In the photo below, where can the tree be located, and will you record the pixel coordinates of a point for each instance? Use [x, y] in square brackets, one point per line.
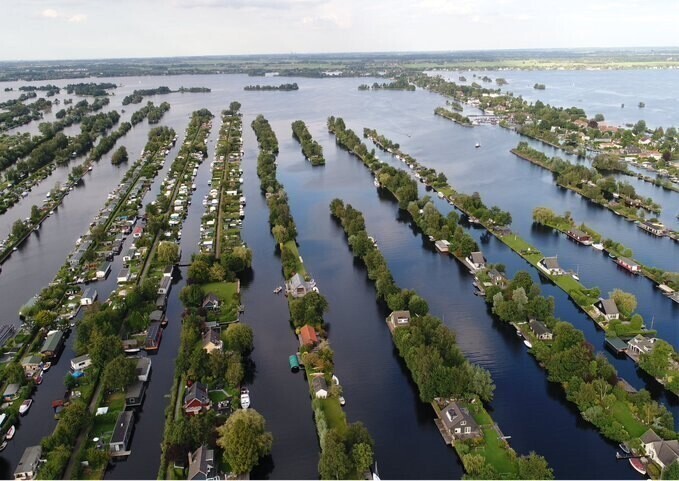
[119, 373]
[626, 302]
[534, 467]
[35, 214]
[362, 455]
[14, 373]
[239, 338]
[19, 229]
[192, 296]
[119, 156]
[199, 272]
[599, 117]
[334, 462]
[217, 273]
[418, 306]
[671, 471]
[168, 252]
[44, 318]
[244, 440]
[104, 349]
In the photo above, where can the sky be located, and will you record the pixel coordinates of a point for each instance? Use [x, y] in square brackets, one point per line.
[82, 29]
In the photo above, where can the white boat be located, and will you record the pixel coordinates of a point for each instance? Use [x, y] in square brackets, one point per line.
[244, 398]
[335, 380]
[527, 343]
[3, 445]
[25, 406]
[376, 183]
[598, 246]
[46, 367]
[10, 432]
[477, 145]
[342, 401]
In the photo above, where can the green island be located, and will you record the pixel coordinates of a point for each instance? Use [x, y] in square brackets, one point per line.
[19, 113]
[311, 149]
[615, 411]
[138, 95]
[270, 88]
[150, 112]
[454, 116]
[401, 83]
[444, 377]
[90, 88]
[538, 86]
[346, 448]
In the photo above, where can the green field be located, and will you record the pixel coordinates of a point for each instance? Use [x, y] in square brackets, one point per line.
[299, 268]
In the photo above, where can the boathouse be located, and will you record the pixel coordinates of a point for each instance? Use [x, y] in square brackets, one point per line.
[579, 236]
[89, 296]
[651, 228]
[165, 284]
[134, 394]
[123, 276]
[442, 246]
[81, 362]
[628, 264]
[201, 464]
[31, 364]
[608, 309]
[143, 369]
[120, 440]
[398, 319]
[103, 270]
[53, 344]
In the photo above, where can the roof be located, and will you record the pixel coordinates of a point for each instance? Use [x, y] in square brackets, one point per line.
[649, 437]
[143, 365]
[478, 258]
[135, 390]
[628, 261]
[29, 460]
[196, 391]
[551, 263]
[308, 335]
[52, 341]
[318, 383]
[609, 307]
[213, 336]
[667, 451]
[394, 316]
[578, 233]
[453, 415]
[11, 389]
[538, 327]
[156, 316]
[200, 463]
[123, 425]
[31, 359]
[210, 299]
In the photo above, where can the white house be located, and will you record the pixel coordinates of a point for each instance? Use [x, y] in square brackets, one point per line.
[124, 276]
[89, 296]
[550, 265]
[81, 362]
[320, 387]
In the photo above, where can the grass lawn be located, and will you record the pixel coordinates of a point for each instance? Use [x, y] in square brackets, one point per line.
[299, 267]
[333, 413]
[624, 416]
[493, 449]
[218, 395]
[226, 291]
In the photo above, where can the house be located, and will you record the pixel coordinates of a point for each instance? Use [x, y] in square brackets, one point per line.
[53, 344]
[608, 309]
[297, 287]
[442, 245]
[212, 341]
[211, 302]
[120, 440]
[11, 392]
[154, 334]
[655, 229]
[143, 369]
[398, 319]
[168, 271]
[579, 236]
[129, 255]
[165, 284]
[196, 399]
[134, 394]
[89, 296]
[640, 345]
[540, 330]
[31, 364]
[550, 266]
[628, 264]
[81, 362]
[497, 278]
[28, 464]
[476, 261]
[458, 422]
[201, 464]
[320, 387]
[661, 451]
[307, 336]
[123, 276]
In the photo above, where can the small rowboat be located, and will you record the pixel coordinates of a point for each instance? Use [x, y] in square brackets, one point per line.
[10, 432]
[25, 406]
[638, 465]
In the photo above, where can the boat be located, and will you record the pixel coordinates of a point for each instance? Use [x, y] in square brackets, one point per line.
[10, 432]
[637, 465]
[335, 380]
[623, 447]
[477, 145]
[244, 398]
[38, 379]
[519, 333]
[527, 343]
[612, 256]
[277, 290]
[3, 445]
[46, 367]
[376, 182]
[342, 401]
[25, 406]
[598, 246]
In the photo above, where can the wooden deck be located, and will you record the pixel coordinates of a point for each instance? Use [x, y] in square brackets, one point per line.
[446, 437]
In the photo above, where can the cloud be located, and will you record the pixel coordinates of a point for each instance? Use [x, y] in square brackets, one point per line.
[53, 14]
[241, 4]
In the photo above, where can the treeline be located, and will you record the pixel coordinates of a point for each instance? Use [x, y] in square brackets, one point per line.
[120, 156]
[454, 116]
[311, 149]
[20, 99]
[150, 111]
[283, 87]
[107, 142]
[589, 182]
[49, 89]
[588, 379]
[193, 90]
[400, 83]
[21, 114]
[138, 95]
[91, 88]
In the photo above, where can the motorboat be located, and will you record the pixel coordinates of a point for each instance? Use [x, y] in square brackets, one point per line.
[38, 379]
[599, 246]
[623, 447]
[10, 432]
[477, 145]
[376, 182]
[244, 398]
[335, 380]
[46, 367]
[527, 343]
[342, 401]
[25, 406]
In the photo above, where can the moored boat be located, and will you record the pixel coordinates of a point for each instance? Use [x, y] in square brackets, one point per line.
[10, 432]
[46, 367]
[527, 343]
[244, 398]
[3, 445]
[637, 465]
[25, 406]
[623, 447]
[342, 401]
[598, 246]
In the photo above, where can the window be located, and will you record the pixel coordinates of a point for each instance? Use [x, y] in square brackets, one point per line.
[468, 430]
[457, 431]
